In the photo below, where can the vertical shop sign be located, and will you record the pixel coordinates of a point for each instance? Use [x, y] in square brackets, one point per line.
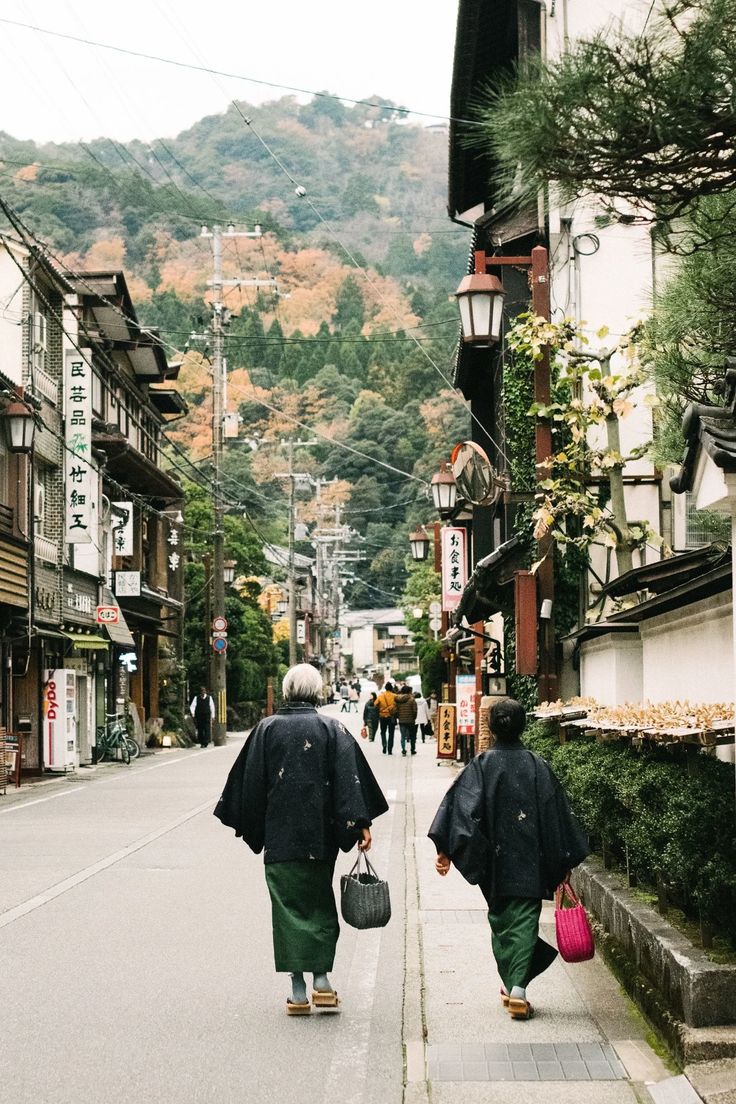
[454, 566]
[174, 542]
[122, 528]
[446, 731]
[79, 475]
[465, 699]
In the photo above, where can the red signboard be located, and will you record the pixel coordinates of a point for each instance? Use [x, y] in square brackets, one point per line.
[107, 615]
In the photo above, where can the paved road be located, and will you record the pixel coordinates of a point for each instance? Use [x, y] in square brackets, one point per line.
[135, 951]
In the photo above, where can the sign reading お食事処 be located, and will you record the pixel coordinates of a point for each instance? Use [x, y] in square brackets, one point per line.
[79, 474]
[446, 731]
[454, 566]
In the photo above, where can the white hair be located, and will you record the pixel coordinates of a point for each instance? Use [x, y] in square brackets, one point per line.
[302, 683]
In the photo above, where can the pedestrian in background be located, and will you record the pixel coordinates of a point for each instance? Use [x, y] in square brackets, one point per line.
[423, 723]
[352, 698]
[300, 791]
[370, 716]
[202, 709]
[432, 709]
[386, 705]
[344, 698]
[406, 712]
[506, 824]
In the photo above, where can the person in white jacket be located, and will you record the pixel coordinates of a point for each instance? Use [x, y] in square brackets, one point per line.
[203, 712]
[422, 717]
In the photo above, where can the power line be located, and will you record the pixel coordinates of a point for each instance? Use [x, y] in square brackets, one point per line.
[232, 76]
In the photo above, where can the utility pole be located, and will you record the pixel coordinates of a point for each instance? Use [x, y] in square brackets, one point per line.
[290, 568]
[218, 284]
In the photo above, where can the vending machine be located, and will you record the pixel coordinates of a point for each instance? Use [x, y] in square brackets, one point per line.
[60, 720]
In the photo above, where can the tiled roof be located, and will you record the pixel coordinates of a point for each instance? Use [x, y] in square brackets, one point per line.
[712, 428]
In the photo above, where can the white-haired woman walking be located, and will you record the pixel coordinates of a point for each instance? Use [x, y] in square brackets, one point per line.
[301, 790]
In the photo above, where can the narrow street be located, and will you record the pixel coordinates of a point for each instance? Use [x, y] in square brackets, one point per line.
[137, 965]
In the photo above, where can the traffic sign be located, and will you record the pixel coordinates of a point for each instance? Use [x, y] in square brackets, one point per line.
[435, 624]
[107, 615]
[219, 624]
[219, 634]
[435, 608]
[220, 645]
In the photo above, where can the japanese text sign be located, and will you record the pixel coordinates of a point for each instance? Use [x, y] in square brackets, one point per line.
[465, 699]
[122, 528]
[79, 484]
[454, 566]
[446, 731]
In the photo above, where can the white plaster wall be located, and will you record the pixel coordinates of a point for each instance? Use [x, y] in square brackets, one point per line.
[11, 317]
[690, 654]
[611, 669]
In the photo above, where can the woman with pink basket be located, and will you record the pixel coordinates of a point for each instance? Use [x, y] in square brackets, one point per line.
[507, 826]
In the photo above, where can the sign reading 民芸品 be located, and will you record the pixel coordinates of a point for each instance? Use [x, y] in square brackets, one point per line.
[454, 566]
[80, 477]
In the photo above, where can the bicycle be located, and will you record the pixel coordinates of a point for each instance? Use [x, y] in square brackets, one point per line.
[113, 737]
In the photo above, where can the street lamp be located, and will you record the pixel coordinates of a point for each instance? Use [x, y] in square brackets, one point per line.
[419, 541]
[444, 491]
[228, 571]
[20, 427]
[480, 299]
[282, 606]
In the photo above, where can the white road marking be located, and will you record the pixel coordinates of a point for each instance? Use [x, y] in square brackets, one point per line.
[346, 1078]
[89, 872]
[98, 782]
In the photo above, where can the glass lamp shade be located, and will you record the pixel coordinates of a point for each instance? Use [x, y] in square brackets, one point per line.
[419, 544]
[444, 492]
[228, 571]
[282, 606]
[480, 298]
[19, 427]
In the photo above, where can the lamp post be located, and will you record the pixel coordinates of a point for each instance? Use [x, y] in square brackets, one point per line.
[228, 572]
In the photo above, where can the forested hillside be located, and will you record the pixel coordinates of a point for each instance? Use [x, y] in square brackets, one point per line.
[350, 346]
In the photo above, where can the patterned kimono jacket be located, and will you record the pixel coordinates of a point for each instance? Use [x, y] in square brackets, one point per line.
[507, 825]
[300, 788]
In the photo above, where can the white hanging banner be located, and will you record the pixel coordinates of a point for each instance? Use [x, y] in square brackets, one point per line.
[122, 528]
[454, 566]
[79, 474]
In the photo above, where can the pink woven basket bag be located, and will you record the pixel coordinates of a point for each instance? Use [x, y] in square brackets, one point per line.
[574, 937]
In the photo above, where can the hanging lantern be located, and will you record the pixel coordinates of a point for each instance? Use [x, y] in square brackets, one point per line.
[228, 571]
[480, 298]
[444, 491]
[419, 541]
[20, 427]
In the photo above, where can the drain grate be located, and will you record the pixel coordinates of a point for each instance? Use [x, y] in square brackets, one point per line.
[523, 1062]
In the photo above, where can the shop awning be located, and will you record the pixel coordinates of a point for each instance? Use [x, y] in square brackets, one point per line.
[87, 642]
[482, 595]
[119, 633]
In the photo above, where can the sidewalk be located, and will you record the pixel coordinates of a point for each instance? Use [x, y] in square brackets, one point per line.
[461, 1045]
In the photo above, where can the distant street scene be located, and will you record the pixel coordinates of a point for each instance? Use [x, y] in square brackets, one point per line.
[367, 499]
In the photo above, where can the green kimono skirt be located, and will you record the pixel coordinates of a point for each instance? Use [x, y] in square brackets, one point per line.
[519, 952]
[303, 915]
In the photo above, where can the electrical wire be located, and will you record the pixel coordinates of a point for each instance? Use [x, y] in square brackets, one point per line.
[231, 76]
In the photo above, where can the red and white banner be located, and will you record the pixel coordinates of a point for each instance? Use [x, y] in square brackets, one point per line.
[454, 566]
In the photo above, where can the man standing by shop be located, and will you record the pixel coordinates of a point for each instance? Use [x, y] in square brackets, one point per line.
[203, 712]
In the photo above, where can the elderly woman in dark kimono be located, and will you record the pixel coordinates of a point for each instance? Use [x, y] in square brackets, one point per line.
[507, 825]
[300, 790]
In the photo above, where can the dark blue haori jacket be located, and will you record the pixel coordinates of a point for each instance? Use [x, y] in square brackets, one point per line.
[507, 825]
[300, 788]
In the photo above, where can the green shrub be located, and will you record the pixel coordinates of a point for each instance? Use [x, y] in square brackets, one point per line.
[675, 823]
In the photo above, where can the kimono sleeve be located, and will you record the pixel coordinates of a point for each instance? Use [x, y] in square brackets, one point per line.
[564, 843]
[457, 827]
[242, 805]
[357, 798]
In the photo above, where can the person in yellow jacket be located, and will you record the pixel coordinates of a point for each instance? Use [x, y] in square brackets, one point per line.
[386, 705]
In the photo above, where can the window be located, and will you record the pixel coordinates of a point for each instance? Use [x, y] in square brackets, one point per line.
[97, 397]
[39, 342]
[692, 528]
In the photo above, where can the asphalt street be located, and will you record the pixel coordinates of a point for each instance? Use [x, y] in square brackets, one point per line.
[135, 950]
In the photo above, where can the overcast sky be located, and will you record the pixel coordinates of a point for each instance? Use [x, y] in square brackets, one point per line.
[57, 90]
